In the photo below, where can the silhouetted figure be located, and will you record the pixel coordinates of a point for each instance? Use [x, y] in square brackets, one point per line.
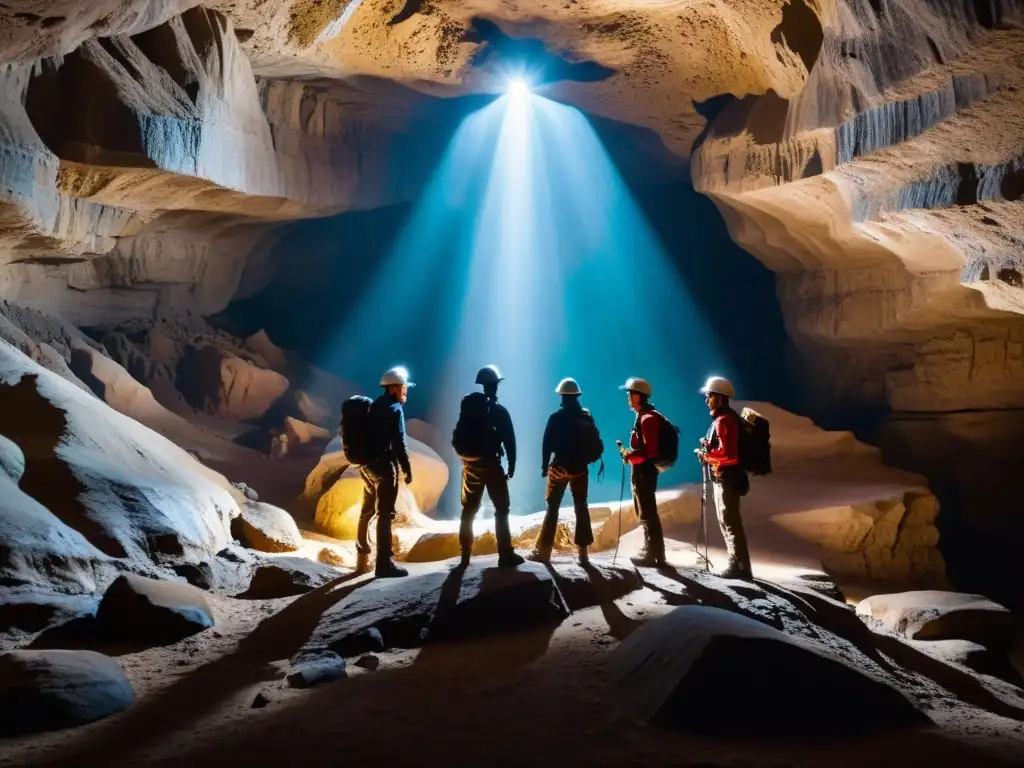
[482, 436]
[729, 481]
[642, 457]
[571, 443]
[386, 424]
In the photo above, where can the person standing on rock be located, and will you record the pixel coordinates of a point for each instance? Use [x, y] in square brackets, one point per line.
[642, 455]
[380, 476]
[482, 436]
[720, 453]
[571, 442]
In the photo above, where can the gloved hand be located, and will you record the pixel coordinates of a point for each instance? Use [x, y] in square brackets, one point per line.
[511, 472]
[543, 471]
[408, 478]
[622, 449]
[699, 453]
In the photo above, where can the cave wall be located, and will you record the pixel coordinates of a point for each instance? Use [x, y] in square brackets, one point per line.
[886, 196]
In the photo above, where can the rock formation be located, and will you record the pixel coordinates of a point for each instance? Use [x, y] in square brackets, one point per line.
[868, 153]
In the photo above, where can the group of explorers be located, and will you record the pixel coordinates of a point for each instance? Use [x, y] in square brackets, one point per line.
[373, 438]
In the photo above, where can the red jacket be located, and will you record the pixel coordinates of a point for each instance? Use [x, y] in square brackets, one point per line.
[646, 449]
[723, 441]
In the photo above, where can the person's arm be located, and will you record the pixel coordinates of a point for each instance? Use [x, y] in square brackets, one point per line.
[510, 444]
[727, 450]
[547, 447]
[398, 442]
[650, 428]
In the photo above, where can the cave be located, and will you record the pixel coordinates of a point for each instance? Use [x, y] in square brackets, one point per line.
[223, 225]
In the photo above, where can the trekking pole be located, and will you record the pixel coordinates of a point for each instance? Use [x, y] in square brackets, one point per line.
[704, 518]
[622, 496]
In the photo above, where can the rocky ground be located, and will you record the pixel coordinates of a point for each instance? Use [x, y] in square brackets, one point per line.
[466, 664]
[192, 599]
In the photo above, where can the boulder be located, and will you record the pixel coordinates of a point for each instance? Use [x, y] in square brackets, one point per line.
[33, 609]
[41, 554]
[266, 528]
[303, 436]
[492, 600]
[711, 671]
[400, 610]
[337, 512]
[564, 534]
[46, 690]
[316, 669]
[314, 410]
[218, 382]
[12, 460]
[137, 609]
[333, 487]
[975, 657]
[259, 343]
[431, 547]
[129, 492]
[936, 615]
[287, 576]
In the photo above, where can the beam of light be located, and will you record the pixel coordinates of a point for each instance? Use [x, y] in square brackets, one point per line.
[527, 250]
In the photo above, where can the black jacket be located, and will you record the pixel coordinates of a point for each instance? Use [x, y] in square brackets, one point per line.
[387, 422]
[506, 433]
[560, 436]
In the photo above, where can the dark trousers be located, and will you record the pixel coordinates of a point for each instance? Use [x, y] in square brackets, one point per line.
[380, 492]
[578, 483]
[479, 475]
[644, 484]
[727, 505]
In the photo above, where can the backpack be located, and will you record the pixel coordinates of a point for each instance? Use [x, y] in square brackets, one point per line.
[588, 445]
[668, 444]
[356, 441]
[474, 435]
[755, 442]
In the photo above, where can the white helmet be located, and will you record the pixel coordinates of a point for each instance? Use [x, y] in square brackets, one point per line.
[719, 386]
[634, 384]
[489, 374]
[396, 375]
[568, 387]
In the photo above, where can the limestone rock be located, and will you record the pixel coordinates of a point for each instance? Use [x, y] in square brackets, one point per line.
[399, 609]
[314, 410]
[12, 460]
[46, 690]
[123, 488]
[975, 657]
[32, 609]
[267, 528]
[685, 669]
[316, 669]
[135, 608]
[431, 547]
[335, 490]
[491, 600]
[220, 383]
[935, 615]
[287, 576]
[302, 434]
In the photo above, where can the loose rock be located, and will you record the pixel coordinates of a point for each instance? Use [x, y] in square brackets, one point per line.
[46, 690]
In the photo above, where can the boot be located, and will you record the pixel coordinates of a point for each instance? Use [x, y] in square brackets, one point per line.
[388, 570]
[653, 553]
[507, 557]
[540, 554]
[584, 557]
[362, 562]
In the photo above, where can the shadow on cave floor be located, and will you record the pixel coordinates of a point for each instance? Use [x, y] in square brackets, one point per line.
[199, 693]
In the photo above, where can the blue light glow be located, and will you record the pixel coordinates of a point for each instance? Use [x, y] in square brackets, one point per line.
[527, 250]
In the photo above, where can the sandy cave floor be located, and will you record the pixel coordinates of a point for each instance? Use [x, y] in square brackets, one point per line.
[535, 698]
